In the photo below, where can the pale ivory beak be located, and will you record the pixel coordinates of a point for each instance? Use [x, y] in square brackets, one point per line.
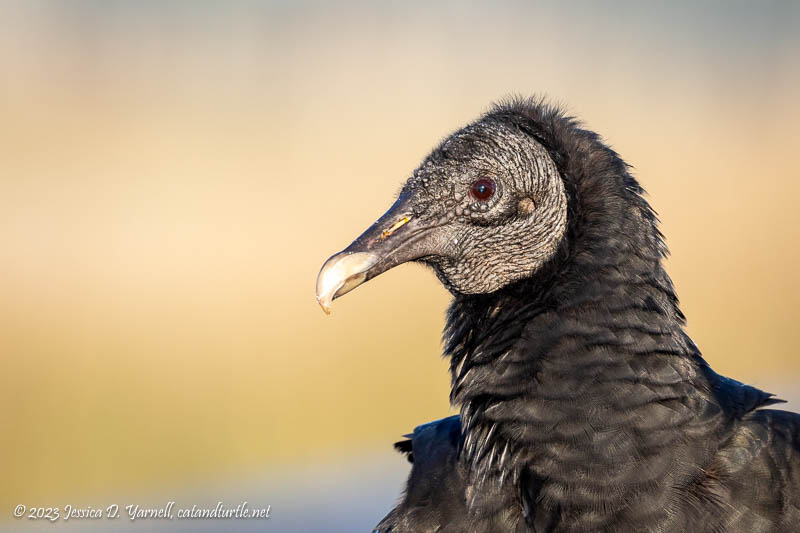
[341, 274]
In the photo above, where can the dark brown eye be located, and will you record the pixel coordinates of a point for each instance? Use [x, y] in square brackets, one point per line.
[483, 189]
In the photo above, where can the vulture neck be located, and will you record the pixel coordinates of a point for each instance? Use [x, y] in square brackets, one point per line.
[576, 383]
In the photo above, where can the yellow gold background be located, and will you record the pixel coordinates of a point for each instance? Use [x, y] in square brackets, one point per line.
[173, 175]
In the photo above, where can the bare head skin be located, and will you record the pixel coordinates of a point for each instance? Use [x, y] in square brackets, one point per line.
[484, 209]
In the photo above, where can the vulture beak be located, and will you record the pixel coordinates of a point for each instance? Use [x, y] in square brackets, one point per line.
[396, 238]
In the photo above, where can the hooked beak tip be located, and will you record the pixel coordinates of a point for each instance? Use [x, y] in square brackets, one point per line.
[325, 304]
[340, 274]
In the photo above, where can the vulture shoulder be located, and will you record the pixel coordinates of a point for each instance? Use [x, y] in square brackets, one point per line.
[756, 471]
[434, 494]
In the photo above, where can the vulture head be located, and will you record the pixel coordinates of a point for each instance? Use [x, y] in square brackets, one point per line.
[486, 208]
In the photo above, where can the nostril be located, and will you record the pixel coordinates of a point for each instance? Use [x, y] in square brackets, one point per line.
[397, 225]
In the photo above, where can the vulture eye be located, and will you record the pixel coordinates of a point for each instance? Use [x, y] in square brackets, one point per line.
[483, 189]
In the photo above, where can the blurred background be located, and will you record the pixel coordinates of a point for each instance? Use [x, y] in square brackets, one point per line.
[173, 175]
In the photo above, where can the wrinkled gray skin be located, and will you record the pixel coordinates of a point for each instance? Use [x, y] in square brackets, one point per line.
[484, 245]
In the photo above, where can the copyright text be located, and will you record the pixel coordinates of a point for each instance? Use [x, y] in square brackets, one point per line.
[134, 512]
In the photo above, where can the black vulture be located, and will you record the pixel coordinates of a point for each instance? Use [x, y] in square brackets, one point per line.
[584, 406]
